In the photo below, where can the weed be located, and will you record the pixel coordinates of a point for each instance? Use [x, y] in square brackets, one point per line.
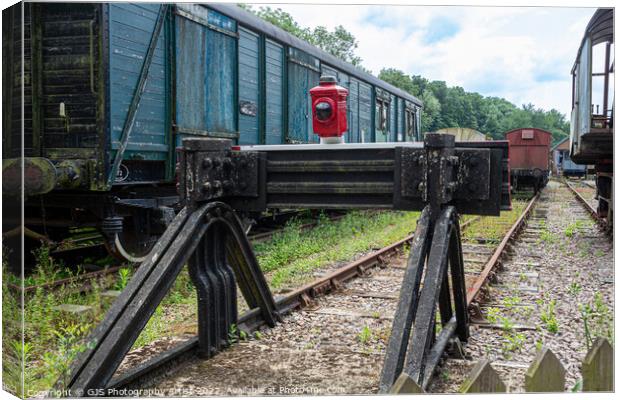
[527, 312]
[574, 288]
[548, 317]
[570, 230]
[546, 236]
[512, 342]
[123, 278]
[511, 301]
[365, 335]
[507, 324]
[258, 335]
[597, 320]
[70, 345]
[539, 344]
[233, 334]
[376, 314]
[493, 315]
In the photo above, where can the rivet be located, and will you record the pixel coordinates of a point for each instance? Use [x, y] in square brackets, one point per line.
[207, 163]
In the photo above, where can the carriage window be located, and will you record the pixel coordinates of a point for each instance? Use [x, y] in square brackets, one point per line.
[382, 120]
[410, 125]
[602, 84]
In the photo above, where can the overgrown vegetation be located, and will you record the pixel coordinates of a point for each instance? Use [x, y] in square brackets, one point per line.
[291, 256]
[547, 315]
[494, 228]
[512, 340]
[598, 320]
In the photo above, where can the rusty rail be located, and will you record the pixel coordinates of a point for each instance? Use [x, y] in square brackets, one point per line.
[356, 268]
[85, 278]
[593, 213]
[473, 290]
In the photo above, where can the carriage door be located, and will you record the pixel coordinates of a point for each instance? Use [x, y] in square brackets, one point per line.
[304, 71]
[206, 71]
[249, 88]
[382, 115]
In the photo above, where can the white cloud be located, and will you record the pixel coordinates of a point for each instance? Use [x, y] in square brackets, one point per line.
[519, 53]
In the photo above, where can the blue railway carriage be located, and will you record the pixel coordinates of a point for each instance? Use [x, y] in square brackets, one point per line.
[109, 90]
[562, 163]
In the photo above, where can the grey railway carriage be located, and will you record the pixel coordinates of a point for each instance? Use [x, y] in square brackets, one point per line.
[111, 89]
[592, 121]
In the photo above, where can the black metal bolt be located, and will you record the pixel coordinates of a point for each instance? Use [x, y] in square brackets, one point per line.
[228, 185]
[217, 185]
[206, 187]
[227, 163]
[207, 163]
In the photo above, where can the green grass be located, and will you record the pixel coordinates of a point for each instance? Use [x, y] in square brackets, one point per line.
[290, 257]
[495, 228]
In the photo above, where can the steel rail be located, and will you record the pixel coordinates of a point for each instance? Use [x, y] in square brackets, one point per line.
[593, 213]
[86, 277]
[474, 290]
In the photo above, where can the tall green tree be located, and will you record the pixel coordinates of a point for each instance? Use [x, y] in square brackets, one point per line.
[339, 42]
[446, 107]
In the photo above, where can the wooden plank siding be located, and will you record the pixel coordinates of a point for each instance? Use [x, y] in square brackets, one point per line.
[249, 87]
[131, 28]
[274, 87]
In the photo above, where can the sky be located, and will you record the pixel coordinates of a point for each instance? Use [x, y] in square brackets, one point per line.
[523, 54]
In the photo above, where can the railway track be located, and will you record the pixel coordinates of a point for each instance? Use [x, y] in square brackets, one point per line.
[84, 281]
[585, 194]
[341, 319]
[558, 264]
